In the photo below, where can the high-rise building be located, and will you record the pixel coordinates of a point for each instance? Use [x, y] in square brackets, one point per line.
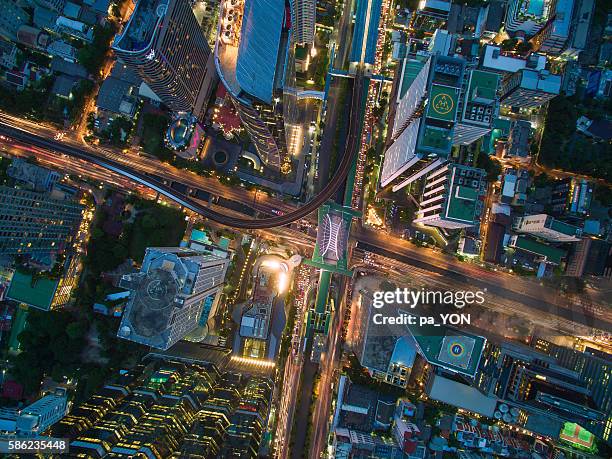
[428, 96]
[251, 56]
[546, 227]
[164, 44]
[547, 393]
[553, 36]
[452, 197]
[529, 88]
[35, 224]
[303, 16]
[168, 294]
[12, 18]
[382, 349]
[595, 368]
[171, 409]
[33, 176]
[479, 108]
[525, 18]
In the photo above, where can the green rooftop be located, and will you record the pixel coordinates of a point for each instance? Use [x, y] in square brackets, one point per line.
[437, 138]
[552, 254]
[483, 85]
[564, 228]
[442, 102]
[37, 292]
[462, 204]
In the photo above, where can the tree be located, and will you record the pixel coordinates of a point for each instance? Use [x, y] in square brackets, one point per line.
[492, 167]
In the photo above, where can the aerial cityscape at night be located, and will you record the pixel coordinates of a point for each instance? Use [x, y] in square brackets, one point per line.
[305, 229]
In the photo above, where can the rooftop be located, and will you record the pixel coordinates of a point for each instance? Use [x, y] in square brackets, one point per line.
[541, 81]
[37, 292]
[552, 254]
[452, 349]
[464, 193]
[138, 33]
[494, 58]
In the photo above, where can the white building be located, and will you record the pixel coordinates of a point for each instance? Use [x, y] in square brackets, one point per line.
[303, 18]
[168, 294]
[546, 227]
[452, 197]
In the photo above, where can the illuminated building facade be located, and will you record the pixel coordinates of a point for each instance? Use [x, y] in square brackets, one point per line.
[166, 408]
[529, 88]
[36, 224]
[452, 197]
[168, 294]
[428, 99]
[252, 55]
[303, 15]
[164, 44]
[528, 17]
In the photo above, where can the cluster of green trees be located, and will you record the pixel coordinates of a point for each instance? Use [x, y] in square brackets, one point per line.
[92, 55]
[491, 166]
[562, 147]
[55, 343]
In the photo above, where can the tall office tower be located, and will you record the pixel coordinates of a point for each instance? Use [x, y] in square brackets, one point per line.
[167, 408]
[164, 44]
[452, 197]
[525, 18]
[479, 107]
[546, 227]
[13, 17]
[251, 56]
[428, 95]
[595, 368]
[547, 394]
[168, 294]
[552, 38]
[36, 224]
[529, 88]
[303, 15]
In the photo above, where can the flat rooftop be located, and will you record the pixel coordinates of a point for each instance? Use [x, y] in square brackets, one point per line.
[552, 254]
[455, 350]
[37, 293]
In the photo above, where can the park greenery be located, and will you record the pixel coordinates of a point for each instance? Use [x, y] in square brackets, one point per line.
[92, 55]
[563, 147]
[492, 167]
[75, 343]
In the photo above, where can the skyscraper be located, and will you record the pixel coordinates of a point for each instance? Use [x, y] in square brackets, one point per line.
[303, 15]
[529, 88]
[479, 108]
[452, 197]
[168, 294]
[439, 103]
[428, 98]
[164, 44]
[251, 56]
[527, 17]
[36, 224]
